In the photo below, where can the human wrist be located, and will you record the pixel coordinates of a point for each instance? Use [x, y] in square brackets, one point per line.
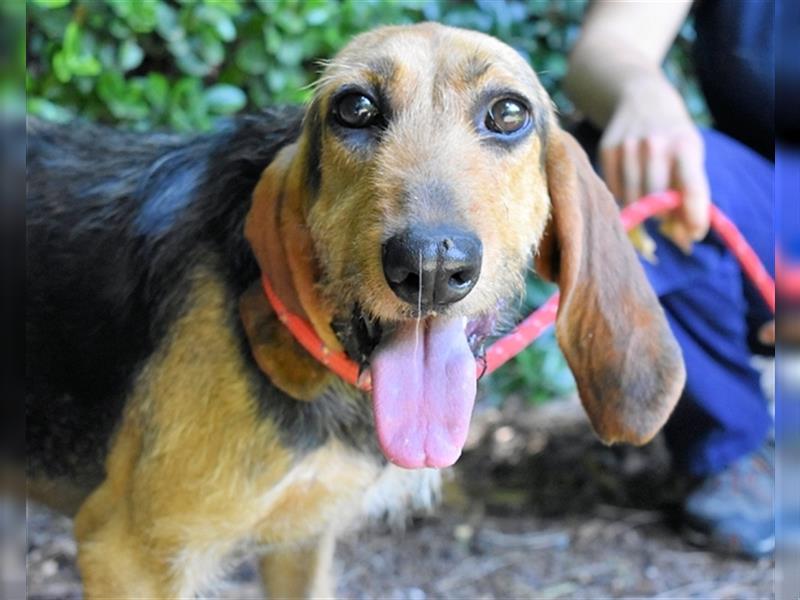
[650, 91]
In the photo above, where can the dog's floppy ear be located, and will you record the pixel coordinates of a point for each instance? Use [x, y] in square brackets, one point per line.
[281, 243]
[277, 231]
[610, 326]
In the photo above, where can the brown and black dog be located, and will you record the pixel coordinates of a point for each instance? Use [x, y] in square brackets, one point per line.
[175, 416]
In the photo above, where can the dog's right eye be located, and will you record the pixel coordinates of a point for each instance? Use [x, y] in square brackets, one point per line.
[356, 110]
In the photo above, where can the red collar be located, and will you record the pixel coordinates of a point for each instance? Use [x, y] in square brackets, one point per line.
[302, 331]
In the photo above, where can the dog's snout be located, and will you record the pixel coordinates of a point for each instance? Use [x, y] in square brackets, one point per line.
[432, 266]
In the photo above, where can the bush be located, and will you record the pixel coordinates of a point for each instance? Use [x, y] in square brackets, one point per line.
[156, 63]
[147, 63]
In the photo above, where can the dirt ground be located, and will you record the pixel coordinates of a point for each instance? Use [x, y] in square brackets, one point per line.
[536, 508]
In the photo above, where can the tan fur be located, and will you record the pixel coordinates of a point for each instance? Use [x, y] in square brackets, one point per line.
[193, 478]
[431, 141]
[500, 196]
[303, 572]
[277, 353]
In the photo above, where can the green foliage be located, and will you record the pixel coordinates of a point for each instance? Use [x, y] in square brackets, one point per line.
[160, 63]
[146, 63]
[12, 61]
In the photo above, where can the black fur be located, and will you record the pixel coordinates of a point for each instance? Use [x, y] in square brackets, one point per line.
[313, 126]
[115, 222]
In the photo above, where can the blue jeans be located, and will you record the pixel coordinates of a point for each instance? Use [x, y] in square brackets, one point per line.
[714, 313]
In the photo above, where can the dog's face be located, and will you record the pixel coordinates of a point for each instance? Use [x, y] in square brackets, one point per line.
[429, 169]
[427, 136]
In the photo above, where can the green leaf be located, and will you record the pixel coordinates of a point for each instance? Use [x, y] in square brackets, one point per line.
[226, 29]
[225, 99]
[188, 106]
[140, 15]
[72, 39]
[232, 7]
[107, 55]
[251, 58]
[268, 7]
[119, 29]
[124, 100]
[50, 111]
[60, 67]
[85, 66]
[51, 3]
[156, 90]
[167, 23]
[272, 39]
[211, 49]
[276, 80]
[130, 55]
[111, 87]
[72, 60]
[219, 20]
[289, 21]
[318, 16]
[290, 53]
[191, 64]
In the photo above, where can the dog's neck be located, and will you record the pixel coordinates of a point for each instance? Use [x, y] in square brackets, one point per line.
[281, 242]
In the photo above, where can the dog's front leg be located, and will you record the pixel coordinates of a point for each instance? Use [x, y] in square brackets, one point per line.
[114, 561]
[117, 558]
[301, 572]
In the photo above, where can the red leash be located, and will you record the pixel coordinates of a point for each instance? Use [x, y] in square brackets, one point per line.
[534, 324]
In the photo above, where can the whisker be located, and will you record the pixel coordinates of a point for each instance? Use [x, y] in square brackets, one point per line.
[419, 309]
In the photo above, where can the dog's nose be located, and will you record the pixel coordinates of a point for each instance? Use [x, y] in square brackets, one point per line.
[432, 266]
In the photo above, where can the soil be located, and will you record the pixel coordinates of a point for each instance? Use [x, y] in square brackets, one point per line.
[536, 508]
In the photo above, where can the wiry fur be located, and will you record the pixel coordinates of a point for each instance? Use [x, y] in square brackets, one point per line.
[167, 404]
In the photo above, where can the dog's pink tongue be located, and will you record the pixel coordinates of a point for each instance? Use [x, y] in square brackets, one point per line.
[423, 389]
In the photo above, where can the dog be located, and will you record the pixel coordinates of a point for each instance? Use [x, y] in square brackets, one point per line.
[177, 418]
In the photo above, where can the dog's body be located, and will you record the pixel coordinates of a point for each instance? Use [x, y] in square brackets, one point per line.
[160, 381]
[111, 258]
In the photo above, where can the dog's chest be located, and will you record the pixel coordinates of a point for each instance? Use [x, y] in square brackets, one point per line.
[324, 490]
[195, 439]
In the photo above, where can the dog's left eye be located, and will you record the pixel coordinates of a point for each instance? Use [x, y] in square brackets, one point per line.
[356, 110]
[507, 116]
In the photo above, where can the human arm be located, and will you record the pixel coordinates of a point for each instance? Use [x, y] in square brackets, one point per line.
[649, 142]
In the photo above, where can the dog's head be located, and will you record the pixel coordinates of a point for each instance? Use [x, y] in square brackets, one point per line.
[430, 169]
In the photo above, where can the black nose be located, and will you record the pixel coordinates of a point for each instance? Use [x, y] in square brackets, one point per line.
[432, 266]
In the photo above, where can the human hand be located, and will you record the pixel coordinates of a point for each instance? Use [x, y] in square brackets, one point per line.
[651, 145]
